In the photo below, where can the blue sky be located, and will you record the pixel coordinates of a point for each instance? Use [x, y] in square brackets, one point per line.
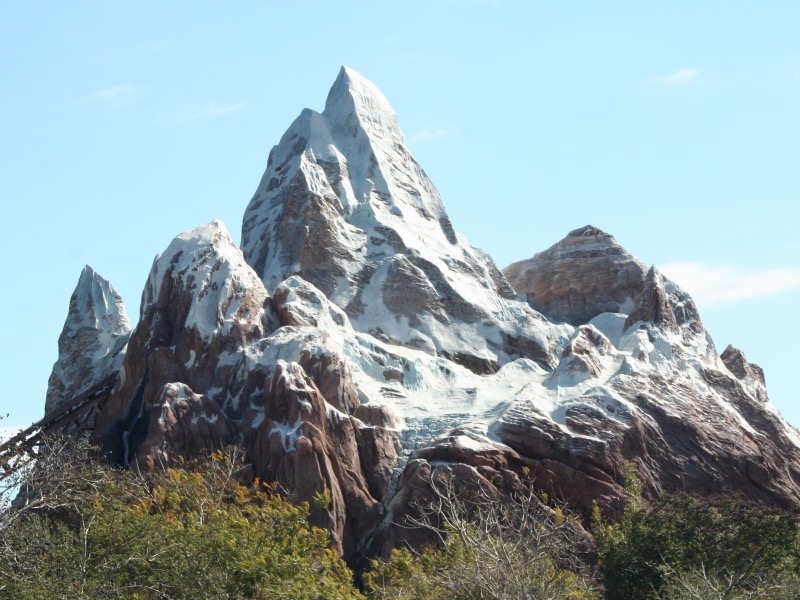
[675, 127]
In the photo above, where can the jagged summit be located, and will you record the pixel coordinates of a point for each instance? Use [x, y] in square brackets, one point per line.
[106, 307]
[585, 274]
[207, 267]
[344, 205]
[751, 375]
[201, 304]
[354, 101]
[92, 342]
[590, 231]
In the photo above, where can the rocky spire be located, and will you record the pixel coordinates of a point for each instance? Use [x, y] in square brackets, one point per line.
[583, 275]
[355, 103]
[92, 343]
[751, 375]
[664, 304]
[345, 206]
[200, 305]
[221, 292]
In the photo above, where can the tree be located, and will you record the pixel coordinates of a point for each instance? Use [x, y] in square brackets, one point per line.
[682, 546]
[90, 531]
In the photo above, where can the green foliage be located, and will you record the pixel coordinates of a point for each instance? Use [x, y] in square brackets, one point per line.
[194, 532]
[83, 530]
[408, 575]
[687, 547]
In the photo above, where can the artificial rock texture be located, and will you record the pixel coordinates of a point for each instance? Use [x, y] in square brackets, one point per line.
[585, 274]
[345, 206]
[358, 346]
[203, 371]
[93, 341]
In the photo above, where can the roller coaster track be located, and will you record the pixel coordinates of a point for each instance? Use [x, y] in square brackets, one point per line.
[74, 416]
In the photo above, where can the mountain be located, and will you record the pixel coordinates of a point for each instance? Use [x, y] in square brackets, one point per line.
[345, 206]
[583, 275]
[216, 360]
[358, 345]
[93, 341]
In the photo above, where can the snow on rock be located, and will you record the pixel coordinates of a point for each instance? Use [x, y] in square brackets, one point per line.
[93, 341]
[299, 303]
[210, 363]
[182, 424]
[648, 386]
[224, 295]
[344, 205]
[201, 301]
[751, 375]
[388, 344]
[310, 447]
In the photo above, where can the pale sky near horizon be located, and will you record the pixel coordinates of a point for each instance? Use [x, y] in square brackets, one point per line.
[675, 128]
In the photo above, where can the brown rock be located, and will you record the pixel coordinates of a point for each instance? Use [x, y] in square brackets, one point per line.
[749, 374]
[583, 354]
[310, 448]
[182, 425]
[201, 302]
[331, 375]
[376, 415]
[583, 275]
[476, 468]
[666, 306]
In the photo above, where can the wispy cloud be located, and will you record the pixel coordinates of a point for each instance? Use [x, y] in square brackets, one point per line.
[117, 95]
[682, 77]
[709, 284]
[427, 135]
[210, 111]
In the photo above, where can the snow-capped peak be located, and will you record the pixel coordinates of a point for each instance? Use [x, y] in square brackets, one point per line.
[106, 307]
[386, 326]
[344, 205]
[206, 265]
[92, 343]
[354, 100]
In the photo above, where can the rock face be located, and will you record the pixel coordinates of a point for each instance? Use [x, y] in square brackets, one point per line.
[646, 385]
[205, 368]
[389, 350]
[309, 447]
[200, 305]
[750, 375]
[92, 344]
[182, 425]
[344, 205]
[583, 275]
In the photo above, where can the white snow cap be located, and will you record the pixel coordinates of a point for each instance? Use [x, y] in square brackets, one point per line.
[206, 261]
[92, 344]
[99, 305]
[354, 97]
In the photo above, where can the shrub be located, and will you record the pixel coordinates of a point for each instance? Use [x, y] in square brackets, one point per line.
[682, 545]
[90, 531]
